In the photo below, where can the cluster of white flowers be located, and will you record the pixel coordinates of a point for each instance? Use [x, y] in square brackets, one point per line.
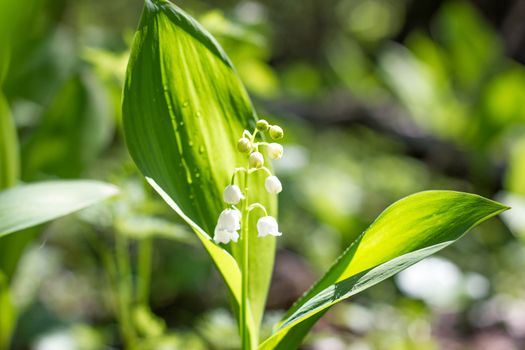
[229, 222]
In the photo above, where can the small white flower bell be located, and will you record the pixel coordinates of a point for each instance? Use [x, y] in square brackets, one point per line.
[232, 194]
[273, 185]
[227, 226]
[225, 236]
[256, 160]
[267, 225]
[230, 219]
[275, 150]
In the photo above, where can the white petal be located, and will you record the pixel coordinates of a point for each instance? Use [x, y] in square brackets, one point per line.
[234, 236]
[273, 185]
[232, 194]
[229, 220]
[267, 225]
[222, 236]
[275, 150]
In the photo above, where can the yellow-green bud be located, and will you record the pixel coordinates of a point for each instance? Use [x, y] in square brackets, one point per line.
[244, 145]
[276, 132]
[262, 125]
[256, 160]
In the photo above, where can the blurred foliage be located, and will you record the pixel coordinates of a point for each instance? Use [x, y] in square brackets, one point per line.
[380, 99]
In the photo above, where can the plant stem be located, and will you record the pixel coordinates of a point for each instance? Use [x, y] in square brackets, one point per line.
[245, 337]
[144, 270]
[124, 291]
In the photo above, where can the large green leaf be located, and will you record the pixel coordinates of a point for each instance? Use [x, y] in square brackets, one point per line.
[184, 109]
[29, 205]
[406, 232]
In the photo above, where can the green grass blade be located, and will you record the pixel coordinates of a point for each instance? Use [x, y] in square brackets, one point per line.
[29, 205]
[9, 159]
[184, 109]
[406, 232]
[8, 314]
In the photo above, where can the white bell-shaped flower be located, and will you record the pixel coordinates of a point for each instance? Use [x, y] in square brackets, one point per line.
[225, 236]
[227, 226]
[230, 219]
[267, 225]
[275, 150]
[232, 194]
[273, 185]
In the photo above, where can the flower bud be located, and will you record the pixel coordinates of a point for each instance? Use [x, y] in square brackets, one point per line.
[244, 145]
[275, 150]
[273, 185]
[267, 225]
[232, 194]
[256, 160]
[276, 132]
[262, 125]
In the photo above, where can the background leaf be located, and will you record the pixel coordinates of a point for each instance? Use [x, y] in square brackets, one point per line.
[72, 132]
[184, 109]
[406, 232]
[29, 205]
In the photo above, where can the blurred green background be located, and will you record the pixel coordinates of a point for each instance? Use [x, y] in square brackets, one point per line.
[378, 98]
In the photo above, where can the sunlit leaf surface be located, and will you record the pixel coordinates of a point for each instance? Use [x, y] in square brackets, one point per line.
[406, 232]
[184, 109]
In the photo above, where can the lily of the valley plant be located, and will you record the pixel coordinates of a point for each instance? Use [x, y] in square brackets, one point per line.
[184, 109]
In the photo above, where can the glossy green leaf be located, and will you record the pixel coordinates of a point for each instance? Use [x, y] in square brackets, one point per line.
[406, 232]
[184, 109]
[29, 205]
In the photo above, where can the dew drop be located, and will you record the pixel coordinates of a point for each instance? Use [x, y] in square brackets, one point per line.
[201, 149]
[185, 104]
